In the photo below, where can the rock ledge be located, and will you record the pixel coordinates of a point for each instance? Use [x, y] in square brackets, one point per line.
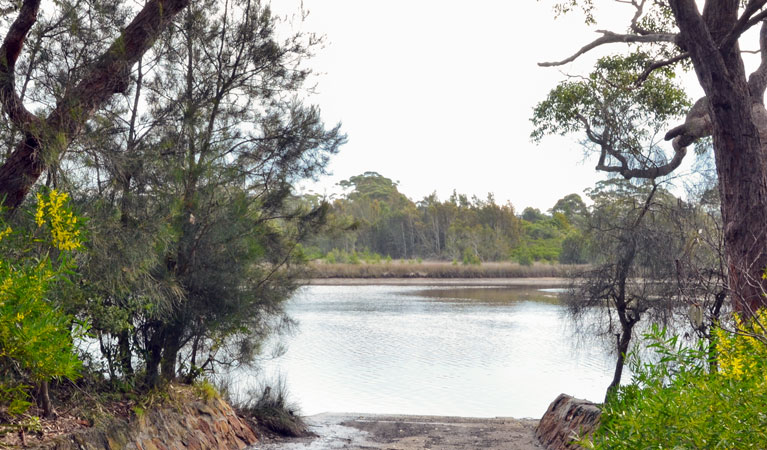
[182, 423]
[566, 418]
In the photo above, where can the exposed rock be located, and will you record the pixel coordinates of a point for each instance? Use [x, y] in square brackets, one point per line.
[181, 423]
[566, 419]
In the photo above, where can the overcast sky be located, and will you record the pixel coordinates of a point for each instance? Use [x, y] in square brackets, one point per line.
[437, 94]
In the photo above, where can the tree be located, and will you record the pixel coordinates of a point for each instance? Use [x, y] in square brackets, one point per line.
[532, 215]
[572, 207]
[633, 273]
[44, 139]
[732, 113]
[214, 156]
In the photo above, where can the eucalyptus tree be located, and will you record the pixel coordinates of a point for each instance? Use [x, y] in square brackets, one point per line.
[632, 251]
[669, 33]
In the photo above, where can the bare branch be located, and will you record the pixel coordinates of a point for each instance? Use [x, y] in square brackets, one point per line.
[623, 167]
[745, 21]
[637, 15]
[608, 37]
[659, 64]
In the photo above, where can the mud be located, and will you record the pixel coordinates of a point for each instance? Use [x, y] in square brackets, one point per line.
[394, 432]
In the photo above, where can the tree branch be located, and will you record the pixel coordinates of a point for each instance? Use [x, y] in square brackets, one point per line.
[659, 64]
[110, 74]
[745, 21]
[608, 37]
[757, 81]
[9, 54]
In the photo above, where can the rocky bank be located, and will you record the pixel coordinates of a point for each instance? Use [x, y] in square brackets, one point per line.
[182, 422]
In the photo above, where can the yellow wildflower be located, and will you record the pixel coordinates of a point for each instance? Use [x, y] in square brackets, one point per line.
[40, 213]
[5, 233]
[63, 223]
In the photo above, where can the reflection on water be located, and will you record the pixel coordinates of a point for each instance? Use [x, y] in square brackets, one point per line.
[488, 295]
[479, 352]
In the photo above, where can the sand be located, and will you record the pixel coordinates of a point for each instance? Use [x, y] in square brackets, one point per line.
[390, 432]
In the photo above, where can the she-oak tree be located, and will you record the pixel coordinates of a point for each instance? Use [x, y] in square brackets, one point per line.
[43, 139]
[732, 113]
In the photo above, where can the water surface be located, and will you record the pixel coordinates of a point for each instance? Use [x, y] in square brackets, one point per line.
[480, 352]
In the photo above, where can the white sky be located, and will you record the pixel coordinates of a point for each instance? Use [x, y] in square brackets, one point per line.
[437, 94]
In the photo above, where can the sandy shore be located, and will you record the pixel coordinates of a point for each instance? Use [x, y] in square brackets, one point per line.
[395, 432]
[539, 281]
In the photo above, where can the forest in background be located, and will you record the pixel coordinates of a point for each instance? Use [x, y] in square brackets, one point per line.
[372, 222]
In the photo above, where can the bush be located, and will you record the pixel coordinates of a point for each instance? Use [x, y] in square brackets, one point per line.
[681, 402]
[524, 258]
[470, 257]
[36, 336]
[270, 406]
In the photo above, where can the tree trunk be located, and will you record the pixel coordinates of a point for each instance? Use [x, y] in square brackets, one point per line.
[45, 400]
[124, 353]
[740, 157]
[153, 358]
[20, 172]
[624, 338]
[171, 347]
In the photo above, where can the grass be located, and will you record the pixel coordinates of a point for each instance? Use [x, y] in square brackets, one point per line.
[438, 269]
[270, 407]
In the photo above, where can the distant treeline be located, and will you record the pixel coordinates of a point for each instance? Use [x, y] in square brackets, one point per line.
[373, 221]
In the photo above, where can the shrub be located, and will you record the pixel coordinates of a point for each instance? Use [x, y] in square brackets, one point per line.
[470, 257]
[680, 402]
[36, 336]
[270, 406]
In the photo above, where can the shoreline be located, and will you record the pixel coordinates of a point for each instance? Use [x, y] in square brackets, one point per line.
[499, 282]
[410, 432]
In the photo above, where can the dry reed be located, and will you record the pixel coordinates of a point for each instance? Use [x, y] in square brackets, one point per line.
[438, 269]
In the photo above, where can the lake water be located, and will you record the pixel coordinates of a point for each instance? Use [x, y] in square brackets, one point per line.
[480, 352]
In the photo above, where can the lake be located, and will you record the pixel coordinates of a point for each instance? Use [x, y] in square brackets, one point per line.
[431, 350]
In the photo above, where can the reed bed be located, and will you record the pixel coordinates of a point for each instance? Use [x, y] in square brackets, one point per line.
[438, 269]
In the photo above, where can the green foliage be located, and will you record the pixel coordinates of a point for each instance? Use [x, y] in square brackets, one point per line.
[523, 257]
[677, 402]
[354, 258]
[532, 215]
[470, 257]
[609, 97]
[36, 335]
[619, 118]
[574, 249]
[197, 236]
[205, 390]
[374, 215]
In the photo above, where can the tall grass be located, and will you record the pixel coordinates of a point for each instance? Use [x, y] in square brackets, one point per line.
[438, 269]
[270, 407]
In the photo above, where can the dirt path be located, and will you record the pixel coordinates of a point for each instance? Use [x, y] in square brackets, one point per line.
[390, 432]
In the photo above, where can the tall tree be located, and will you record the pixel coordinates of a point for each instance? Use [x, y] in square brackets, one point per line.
[667, 33]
